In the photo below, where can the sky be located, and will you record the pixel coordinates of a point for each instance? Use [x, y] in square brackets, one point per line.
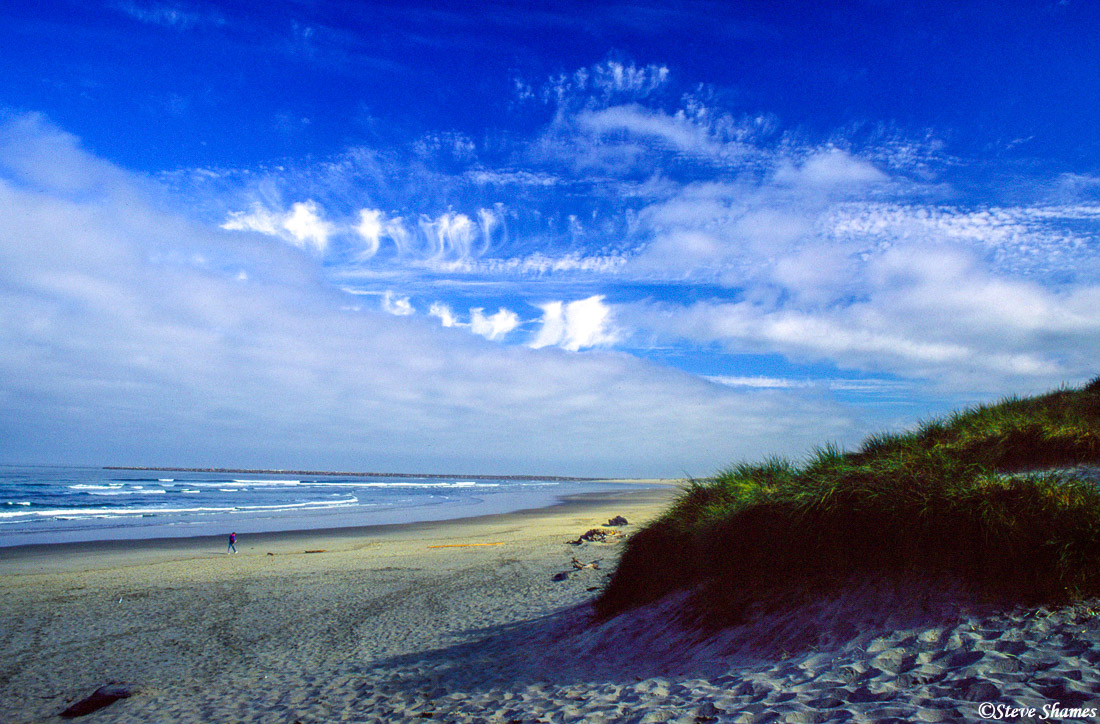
[615, 239]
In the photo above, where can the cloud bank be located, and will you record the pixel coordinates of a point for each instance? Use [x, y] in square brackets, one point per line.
[132, 334]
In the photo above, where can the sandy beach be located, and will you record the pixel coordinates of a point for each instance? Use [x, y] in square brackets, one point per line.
[488, 619]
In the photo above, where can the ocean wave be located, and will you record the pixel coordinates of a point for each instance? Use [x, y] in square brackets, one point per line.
[460, 484]
[312, 504]
[229, 486]
[79, 513]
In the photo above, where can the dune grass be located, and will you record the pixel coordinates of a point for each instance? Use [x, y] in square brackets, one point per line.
[937, 501]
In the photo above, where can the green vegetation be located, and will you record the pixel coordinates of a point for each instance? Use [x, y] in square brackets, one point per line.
[936, 501]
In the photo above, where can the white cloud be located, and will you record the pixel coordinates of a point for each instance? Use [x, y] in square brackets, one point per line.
[875, 386]
[450, 237]
[307, 227]
[493, 327]
[614, 77]
[489, 223]
[676, 131]
[552, 331]
[517, 177]
[948, 295]
[577, 325]
[171, 16]
[922, 312]
[301, 226]
[455, 145]
[444, 313]
[610, 79]
[29, 142]
[1025, 241]
[370, 231]
[541, 264]
[259, 219]
[757, 382]
[830, 168]
[450, 240]
[722, 230]
[396, 305]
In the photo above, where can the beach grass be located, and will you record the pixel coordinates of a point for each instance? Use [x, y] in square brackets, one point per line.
[976, 497]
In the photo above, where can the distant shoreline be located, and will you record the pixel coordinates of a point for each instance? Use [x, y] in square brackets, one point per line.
[251, 471]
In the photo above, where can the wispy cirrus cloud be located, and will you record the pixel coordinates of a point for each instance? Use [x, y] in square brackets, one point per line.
[175, 16]
[853, 250]
[607, 81]
[676, 132]
[449, 238]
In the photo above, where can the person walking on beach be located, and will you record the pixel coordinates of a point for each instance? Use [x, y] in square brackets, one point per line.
[232, 543]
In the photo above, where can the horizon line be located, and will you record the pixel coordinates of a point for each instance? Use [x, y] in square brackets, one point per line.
[276, 471]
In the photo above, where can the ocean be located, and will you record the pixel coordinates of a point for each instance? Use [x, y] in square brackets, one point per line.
[51, 504]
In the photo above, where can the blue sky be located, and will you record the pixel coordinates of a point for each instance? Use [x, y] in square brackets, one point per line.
[623, 239]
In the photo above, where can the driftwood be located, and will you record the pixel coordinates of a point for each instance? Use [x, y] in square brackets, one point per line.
[99, 698]
[595, 535]
[577, 566]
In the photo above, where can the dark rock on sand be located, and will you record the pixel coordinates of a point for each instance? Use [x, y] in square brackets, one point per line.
[99, 698]
[618, 520]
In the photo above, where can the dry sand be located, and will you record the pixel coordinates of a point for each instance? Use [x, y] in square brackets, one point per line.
[463, 621]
